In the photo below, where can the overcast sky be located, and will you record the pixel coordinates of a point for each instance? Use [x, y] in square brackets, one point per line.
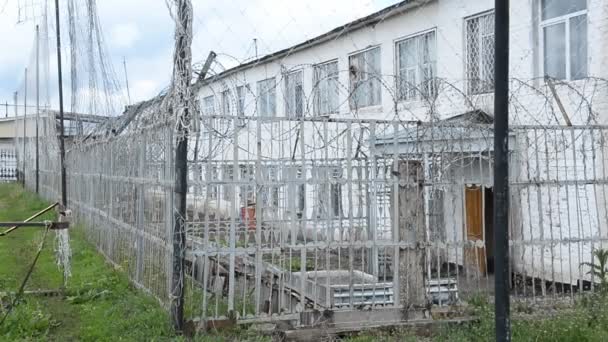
[142, 32]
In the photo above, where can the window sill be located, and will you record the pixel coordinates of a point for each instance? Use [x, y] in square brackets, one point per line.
[367, 110]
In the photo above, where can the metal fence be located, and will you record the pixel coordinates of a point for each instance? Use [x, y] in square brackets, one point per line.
[8, 164]
[288, 218]
[297, 215]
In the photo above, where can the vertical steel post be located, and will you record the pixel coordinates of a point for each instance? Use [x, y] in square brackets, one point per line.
[24, 120]
[64, 196]
[181, 89]
[501, 171]
[37, 103]
[15, 100]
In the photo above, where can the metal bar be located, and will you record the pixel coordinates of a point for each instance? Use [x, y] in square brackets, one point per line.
[64, 195]
[501, 171]
[37, 107]
[51, 225]
[24, 121]
[42, 212]
[182, 71]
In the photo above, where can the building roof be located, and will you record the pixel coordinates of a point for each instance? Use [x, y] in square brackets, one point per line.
[337, 32]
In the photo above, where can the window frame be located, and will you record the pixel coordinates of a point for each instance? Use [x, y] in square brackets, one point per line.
[287, 94]
[469, 86]
[206, 107]
[378, 78]
[241, 96]
[565, 19]
[269, 92]
[316, 90]
[397, 63]
[226, 96]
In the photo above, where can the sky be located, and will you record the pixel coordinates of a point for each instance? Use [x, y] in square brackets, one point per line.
[141, 33]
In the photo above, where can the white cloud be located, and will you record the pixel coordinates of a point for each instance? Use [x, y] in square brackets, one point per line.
[124, 35]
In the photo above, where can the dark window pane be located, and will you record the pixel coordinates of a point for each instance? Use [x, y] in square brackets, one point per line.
[555, 51]
[578, 47]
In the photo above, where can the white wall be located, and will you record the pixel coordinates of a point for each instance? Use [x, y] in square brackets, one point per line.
[447, 17]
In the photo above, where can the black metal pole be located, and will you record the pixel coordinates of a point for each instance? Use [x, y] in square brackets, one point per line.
[37, 103]
[182, 76]
[64, 196]
[501, 171]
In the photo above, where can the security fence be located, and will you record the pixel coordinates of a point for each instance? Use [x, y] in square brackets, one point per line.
[333, 182]
[8, 164]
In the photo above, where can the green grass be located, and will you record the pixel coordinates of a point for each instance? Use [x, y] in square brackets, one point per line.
[99, 305]
[99, 302]
[587, 321]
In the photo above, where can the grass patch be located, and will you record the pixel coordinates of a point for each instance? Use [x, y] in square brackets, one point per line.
[100, 304]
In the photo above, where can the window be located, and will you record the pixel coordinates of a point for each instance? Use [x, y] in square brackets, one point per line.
[336, 193]
[480, 53]
[296, 185]
[267, 97]
[270, 191]
[416, 63]
[564, 35]
[247, 192]
[227, 178]
[212, 182]
[364, 71]
[226, 98]
[240, 93]
[294, 95]
[209, 105]
[329, 193]
[326, 88]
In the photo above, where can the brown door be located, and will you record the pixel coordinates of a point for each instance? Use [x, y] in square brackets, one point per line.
[474, 256]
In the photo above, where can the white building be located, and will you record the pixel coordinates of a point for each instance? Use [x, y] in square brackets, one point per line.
[432, 62]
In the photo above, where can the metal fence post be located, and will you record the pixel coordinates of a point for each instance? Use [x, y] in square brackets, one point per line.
[501, 171]
[181, 107]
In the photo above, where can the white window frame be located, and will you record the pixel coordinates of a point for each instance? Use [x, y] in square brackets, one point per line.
[487, 81]
[265, 95]
[565, 19]
[226, 102]
[320, 110]
[291, 98]
[241, 95]
[430, 92]
[209, 109]
[369, 80]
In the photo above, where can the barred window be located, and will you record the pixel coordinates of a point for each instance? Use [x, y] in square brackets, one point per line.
[326, 88]
[416, 63]
[209, 105]
[228, 177]
[480, 53]
[365, 74]
[564, 35]
[240, 93]
[267, 97]
[329, 192]
[294, 94]
[213, 187]
[226, 98]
